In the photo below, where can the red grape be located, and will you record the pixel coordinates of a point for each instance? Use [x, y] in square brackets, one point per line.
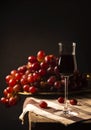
[12, 82]
[57, 84]
[23, 80]
[73, 101]
[56, 70]
[43, 104]
[22, 69]
[9, 89]
[3, 100]
[50, 59]
[61, 100]
[35, 66]
[12, 101]
[7, 78]
[26, 87]
[32, 89]
[18, 76]
[30, 79]
[32, 59]
[13, 72]
[51, 80]
[17, 88]
[44, 65]
[5, 92]
[42, 72]
[40, 55]
[36, 76]
[50, 70]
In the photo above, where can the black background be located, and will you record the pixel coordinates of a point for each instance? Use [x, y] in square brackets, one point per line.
[29, 26]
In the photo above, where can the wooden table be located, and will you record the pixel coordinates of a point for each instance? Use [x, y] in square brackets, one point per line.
[39, 122]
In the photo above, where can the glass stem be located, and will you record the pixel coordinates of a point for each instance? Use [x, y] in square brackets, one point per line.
[66, 92]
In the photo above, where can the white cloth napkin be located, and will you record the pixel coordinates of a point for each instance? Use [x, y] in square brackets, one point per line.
[83, 110]
[54, 115]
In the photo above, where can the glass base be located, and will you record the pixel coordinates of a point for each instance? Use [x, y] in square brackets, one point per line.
[69, 113]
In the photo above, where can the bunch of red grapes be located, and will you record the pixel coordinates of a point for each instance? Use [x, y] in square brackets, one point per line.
[39, 74]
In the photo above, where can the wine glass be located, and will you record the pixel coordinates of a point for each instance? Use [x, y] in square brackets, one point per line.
[67, 65]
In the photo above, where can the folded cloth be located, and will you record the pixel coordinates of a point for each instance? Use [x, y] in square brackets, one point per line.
[80, 112]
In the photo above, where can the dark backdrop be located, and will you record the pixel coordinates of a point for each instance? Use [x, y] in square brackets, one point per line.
[27, 27]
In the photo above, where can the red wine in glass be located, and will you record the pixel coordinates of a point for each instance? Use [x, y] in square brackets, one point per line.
[67, 64]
